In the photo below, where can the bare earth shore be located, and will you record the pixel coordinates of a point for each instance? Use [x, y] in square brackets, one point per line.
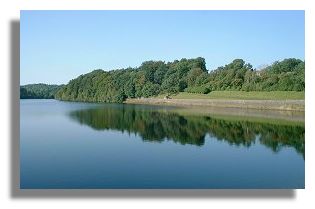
[289, 110]
[292, 105]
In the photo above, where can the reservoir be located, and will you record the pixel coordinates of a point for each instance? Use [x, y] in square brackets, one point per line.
[72, 145]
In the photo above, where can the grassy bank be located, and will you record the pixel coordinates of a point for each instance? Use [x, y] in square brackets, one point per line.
[241, 95]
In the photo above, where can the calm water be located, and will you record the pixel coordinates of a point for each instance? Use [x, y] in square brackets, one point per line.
[79, 145]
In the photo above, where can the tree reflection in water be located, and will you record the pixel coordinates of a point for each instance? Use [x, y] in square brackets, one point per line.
[157, 125]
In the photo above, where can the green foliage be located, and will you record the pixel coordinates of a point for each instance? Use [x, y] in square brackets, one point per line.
[39, 91]
[158, 126]
[150, 79]
[150, 89]
[287, 75]
[182, 85]
[130, 89]
[120, 97]
[198, 89]
[171, 84]
[190, 75]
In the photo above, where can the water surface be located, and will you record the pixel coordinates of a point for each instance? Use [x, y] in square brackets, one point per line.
[85, 145]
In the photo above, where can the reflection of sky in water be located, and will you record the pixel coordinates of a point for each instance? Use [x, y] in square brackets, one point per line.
[57, 151]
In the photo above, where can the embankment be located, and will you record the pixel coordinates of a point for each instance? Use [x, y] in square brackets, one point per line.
[290, 105]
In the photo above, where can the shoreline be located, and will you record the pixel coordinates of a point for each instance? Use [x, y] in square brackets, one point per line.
[248, 114]
[282, 105]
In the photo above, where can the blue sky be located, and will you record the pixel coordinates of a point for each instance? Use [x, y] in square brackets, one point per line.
[57, 46]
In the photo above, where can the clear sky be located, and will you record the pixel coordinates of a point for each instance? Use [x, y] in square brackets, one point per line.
[57, 46]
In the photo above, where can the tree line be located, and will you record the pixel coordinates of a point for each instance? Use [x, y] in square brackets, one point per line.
[186, 75]
[190, 75]
[39, 91]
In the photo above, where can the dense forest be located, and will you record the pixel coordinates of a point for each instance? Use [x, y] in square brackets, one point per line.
[190, 75]
[158, 126]
[39, 91]
[157, 77]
